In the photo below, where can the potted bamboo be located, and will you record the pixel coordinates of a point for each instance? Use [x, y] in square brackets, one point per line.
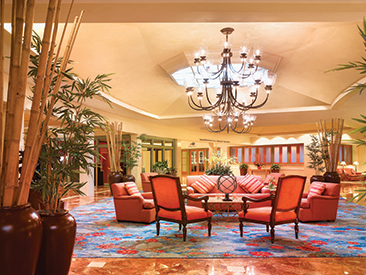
[330, 140]
[114, 143]
[20, 246]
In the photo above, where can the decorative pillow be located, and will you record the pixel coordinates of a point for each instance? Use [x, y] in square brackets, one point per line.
[132, 189]
[240, 182]
[251, 184]
[204, 184]
[316, 188]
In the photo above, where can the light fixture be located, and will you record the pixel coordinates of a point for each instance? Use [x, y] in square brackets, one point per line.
[356, 164]
[343, 163]
[239, 124]
[224, 102]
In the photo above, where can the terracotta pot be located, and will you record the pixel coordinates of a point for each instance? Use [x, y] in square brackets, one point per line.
[332, 177]
[316, 178]
[59, 230]
[114, 177]
[20, 239]
[243, 171]
[275, 170]
[126, 178]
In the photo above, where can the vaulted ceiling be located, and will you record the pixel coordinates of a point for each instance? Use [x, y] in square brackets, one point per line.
[142, 41]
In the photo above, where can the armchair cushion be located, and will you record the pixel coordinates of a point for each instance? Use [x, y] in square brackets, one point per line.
[316, 188]
[251, 184]
[264, 214]
[132, 189]
[193, 213]
[305, 203]
[204, 184]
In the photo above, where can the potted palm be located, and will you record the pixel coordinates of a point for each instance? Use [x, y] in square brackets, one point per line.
[131, 154]
[243, 168]
[316, 155]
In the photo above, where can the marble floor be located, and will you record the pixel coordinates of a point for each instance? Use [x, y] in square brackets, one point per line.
[282, 266]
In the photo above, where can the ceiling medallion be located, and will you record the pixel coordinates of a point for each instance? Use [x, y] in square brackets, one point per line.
[228, 112]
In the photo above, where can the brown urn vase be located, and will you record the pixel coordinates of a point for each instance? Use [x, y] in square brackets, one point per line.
[114, 177]
[243, 171]
[59, 230]
[127, 178]
[20, 239]
[332, 177]
[316, 178]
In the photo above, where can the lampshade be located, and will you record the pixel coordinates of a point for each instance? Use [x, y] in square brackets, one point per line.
[356, 163]
[343, 163]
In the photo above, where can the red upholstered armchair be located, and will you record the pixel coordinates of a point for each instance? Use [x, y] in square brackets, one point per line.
[170, 204]
[132, 208]
[322, 207]
[284, 209]
[146, 186]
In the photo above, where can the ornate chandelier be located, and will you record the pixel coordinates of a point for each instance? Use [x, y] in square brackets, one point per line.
[224, 102]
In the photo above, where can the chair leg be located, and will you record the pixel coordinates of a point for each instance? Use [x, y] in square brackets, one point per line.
[180, 227]
[272, 234]
[184, 232]
[241, 228]
[267, 227]
[296, 230]
[157, 227]
[209, 227]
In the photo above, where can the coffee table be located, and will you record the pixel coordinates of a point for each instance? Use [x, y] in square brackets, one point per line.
[218, 207]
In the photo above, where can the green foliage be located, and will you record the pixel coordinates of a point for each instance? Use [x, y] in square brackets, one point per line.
[316, 155]
[361, 67]
[68, 149]
[160, 167]
[243, 166]
[356, 65]
[275, 166]
[131, 154]
[218, 169]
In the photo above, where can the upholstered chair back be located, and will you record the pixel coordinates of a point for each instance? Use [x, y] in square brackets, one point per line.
[289, 192]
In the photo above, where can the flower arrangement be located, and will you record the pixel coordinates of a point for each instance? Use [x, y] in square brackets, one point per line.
[272, 184]
[219, 164]
[259, 163]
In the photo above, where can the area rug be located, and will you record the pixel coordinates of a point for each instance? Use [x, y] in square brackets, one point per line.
[99, 235]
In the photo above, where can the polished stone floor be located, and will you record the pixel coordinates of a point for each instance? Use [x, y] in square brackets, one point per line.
[282, 266]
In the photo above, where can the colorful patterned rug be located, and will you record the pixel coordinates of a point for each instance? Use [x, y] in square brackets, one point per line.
[100, 235]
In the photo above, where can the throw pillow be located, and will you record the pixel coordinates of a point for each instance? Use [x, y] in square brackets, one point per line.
[316, 188]
[251, 184]
[132, 189]
[240, 182]
[204, 184]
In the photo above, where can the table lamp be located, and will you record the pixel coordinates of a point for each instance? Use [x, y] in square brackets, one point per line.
[356, 164]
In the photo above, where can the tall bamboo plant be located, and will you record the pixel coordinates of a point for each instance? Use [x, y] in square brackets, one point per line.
[360, 88]
[14, 190]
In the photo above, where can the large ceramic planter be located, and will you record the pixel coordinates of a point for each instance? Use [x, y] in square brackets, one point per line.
[316, 178]
[332, 177]
[114, 177]
[59, 230]
[275, 170]
[127, 178]
[20, 239]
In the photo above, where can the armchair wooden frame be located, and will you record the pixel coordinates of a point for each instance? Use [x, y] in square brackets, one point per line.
[182, 208]
[275, 200]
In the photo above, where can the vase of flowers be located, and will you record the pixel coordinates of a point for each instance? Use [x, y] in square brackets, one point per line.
[272, 184]
[259, 164]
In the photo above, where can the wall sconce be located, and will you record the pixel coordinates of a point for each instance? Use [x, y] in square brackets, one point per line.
[356, 164]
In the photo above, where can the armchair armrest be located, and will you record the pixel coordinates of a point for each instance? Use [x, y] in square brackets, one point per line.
[245, 199]
[203, 198]
[147, 195]
[190, 190]
[320, 197]
[305, 195]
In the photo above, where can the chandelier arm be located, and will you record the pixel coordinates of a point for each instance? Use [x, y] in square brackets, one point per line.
[213, 75]
[197, 107]
[239, 71]
[252, 106]
[243, 130]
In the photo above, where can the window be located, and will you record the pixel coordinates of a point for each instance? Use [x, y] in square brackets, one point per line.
[237, 154]
[345, 154]
[282, 154]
